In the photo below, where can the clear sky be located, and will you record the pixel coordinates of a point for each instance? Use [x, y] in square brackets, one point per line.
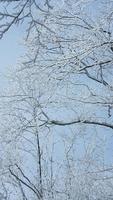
[11, 50]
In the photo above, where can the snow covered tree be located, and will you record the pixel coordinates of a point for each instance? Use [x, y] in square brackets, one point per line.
[59, 115]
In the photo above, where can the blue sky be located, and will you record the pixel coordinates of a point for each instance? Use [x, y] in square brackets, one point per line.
[11, 50]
